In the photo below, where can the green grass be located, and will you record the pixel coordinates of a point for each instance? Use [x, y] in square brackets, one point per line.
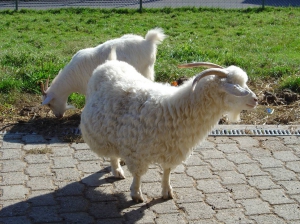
[37, 44]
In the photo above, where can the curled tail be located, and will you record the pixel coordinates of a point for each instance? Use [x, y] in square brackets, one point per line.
[155, 35]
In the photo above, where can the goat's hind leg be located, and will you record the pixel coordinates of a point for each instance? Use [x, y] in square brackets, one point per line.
[167, 191]
[116, 168]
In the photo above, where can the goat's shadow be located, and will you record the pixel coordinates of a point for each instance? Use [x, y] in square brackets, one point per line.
[78, 202]
[283, 3]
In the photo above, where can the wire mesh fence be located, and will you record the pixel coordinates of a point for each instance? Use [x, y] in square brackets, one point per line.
[139, 4]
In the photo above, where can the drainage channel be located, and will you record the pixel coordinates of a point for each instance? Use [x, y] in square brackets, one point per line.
[254, 132]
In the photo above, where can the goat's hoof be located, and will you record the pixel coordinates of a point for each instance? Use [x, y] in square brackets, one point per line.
[168, 194]
[119, 173]
[137, 199]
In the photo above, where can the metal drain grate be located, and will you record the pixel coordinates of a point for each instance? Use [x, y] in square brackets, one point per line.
[254, 132]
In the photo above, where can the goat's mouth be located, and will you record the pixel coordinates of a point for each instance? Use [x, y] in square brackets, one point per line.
[251, 106]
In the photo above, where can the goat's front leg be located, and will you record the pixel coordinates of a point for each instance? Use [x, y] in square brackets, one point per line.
[136, 192]
[116, 168]
[167, 191]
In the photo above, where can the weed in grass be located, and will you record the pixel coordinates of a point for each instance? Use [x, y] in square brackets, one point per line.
[39, 151]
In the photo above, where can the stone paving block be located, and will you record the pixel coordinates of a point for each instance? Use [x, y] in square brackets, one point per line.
[288, 211]
[152, 190]
[89, 166]
[275, 196]
[247, 142]
[64, 162]
[61, 151]
[204, 221]
[80, 146]
[37, 158]
[70, 204]
[170, 218]
[262, 183]
[257, 152]
[67, 188]
[231, 177]
[221, 164]
[11, 154]
[13, 208]
[228, 148]
[179, 169]
[104, 210]
[220, 140]
[138, 215]
[36, 146]
[205, 144]
[233, 215]
[275, 146]
[163, 207]
[199, 172]
[255, 206]
[281, 174]
[15, 220]
[78, 217]
[67, 174]
[12, 166]
[220, 201]
[294, 166]
[187, 195]
[11, 144]
[195, 160]
[242, 191]
[40, 183]
[239, 158]
[86, 155]
[100, 194]
[198, 210]
[14, 192]
[290, 140]
[293, 187]
[210, 186]
[212, 154]
[268, 219]
[269, 162]
[152, 175]
[250, 170]
[45, 214]
[42, 198]
[285, 156]
[97, 179]
[181, 180]
[35, 170]
[13, 178]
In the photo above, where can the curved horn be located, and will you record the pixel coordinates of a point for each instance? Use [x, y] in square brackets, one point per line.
[199, 64]
[43, 89]
[212, 71]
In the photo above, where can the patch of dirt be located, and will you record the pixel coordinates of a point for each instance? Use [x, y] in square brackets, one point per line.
[275, 108]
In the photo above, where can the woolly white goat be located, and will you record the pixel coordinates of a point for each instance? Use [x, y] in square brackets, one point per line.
[127, 116]
[133, 49]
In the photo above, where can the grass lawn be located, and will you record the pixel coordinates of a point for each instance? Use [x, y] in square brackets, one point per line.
[37, 44]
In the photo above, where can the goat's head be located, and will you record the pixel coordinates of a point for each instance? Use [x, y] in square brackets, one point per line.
[233, 81]
[56, 104]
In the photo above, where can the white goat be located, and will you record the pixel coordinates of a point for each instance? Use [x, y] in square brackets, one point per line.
[133, 49]
[127, 116]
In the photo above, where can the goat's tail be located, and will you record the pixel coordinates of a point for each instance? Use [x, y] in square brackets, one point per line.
[155, 35]
[113, 54]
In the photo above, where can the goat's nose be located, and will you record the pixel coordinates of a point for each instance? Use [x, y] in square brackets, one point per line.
[255, 99]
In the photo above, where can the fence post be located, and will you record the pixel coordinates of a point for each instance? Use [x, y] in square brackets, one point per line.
[263, 4]
[141, 5]
[17, 5]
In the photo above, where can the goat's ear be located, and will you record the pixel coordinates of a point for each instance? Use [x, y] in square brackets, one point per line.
[48, 98]
[234, 89]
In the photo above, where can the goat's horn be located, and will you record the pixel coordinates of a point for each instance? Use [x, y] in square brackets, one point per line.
[43, 89]
[199, 64]
[212, 71]
[47, 83]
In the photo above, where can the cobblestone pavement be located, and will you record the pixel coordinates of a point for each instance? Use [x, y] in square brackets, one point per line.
[226, 180]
